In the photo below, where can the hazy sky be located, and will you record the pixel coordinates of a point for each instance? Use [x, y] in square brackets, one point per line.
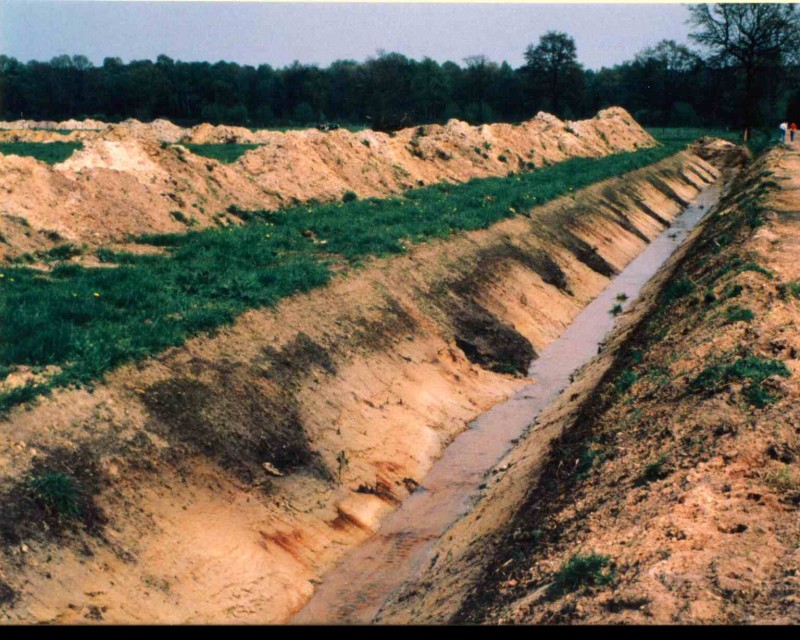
[277, 34]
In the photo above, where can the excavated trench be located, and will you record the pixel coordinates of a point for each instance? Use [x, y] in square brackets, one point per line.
[233, 473]
[355, 591]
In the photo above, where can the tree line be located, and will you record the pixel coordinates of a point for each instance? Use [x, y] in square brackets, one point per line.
[744, 74]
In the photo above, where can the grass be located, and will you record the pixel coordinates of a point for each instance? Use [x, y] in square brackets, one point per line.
[88, 320]
[789, 289]
[677, 289]
[759, 140]
[751, 370]
[737, 313]
[626, 379]
[225, 153]
[58, 493]
[582, 571]
[49, 152]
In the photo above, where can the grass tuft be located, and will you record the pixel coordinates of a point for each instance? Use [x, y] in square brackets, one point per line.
[581, 571]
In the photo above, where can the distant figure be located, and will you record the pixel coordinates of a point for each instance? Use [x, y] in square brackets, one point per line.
[792, 130]
[783, 126]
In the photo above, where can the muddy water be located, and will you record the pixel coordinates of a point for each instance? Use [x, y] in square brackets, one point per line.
[355, 590]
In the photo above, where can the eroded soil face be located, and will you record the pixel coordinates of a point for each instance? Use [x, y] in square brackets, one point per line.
[670, 492]
[136, 178]
[224, 477]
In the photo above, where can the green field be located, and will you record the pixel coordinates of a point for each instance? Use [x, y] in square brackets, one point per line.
[225, 153]
[89, 320]
[49, 152]
[760, 139]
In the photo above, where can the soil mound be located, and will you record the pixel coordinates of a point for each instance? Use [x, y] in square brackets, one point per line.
[129, 179]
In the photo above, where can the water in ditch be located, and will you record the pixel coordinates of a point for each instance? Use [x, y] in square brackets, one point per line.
[354, 591]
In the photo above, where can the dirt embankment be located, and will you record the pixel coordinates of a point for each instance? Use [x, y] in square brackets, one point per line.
[218, 481]
[131, 179]
[664, 486]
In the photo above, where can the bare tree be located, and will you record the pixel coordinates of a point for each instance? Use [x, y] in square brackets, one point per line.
[754, 38]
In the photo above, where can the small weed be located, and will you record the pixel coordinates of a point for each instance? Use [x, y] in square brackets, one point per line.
[732, 291]
[782, 480]
[622, 297]
[625, 381]
[61, 252]
[580, 571]
[736, 313]
[789, 289]
[502, 157]
[58, 493]
[587, 457]
[749, 369]
[655, 470]
[616, 310]
[678, 289]
[179, 217]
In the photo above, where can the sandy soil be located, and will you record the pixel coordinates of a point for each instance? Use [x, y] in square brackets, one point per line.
[693, 497]
[129, 177]
[224, 477]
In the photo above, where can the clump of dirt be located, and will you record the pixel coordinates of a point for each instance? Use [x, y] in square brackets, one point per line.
[721, 153]
[672, 493]
[130, 178]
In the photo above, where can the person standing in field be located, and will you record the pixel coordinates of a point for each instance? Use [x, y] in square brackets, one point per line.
[783, 126]
[792, 130]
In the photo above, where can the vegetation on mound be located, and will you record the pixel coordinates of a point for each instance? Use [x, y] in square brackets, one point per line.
[88, 320]
[49, 152]
[581, 571]
[224, 152]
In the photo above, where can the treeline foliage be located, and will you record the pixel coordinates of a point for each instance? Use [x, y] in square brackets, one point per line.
[665, 85]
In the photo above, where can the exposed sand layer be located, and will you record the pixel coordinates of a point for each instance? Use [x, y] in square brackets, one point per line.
[223, 478]
[129, 178]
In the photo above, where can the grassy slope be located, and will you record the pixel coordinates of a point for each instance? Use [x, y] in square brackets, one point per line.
[89, 320]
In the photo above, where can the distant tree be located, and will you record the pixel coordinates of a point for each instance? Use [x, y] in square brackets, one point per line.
[554, 70]
[659, 77]
[757, 39]
[478, 77]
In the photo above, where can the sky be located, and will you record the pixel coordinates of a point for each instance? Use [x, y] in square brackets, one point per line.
[280, 33]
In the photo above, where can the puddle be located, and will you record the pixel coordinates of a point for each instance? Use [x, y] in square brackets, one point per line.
[356, 589]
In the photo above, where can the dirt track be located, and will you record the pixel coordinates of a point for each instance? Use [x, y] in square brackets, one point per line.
[128, 178]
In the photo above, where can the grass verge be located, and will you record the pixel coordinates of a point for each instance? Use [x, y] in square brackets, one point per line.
[86, 321]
